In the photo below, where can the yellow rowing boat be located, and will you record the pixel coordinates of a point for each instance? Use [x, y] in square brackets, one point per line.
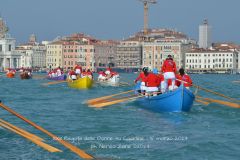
[81, 83]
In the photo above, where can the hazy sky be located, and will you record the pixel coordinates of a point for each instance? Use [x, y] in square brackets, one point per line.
[118, 19]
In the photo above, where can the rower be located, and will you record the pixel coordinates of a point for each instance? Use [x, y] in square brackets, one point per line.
[89, 74]
[84, 73]
[152, 81]
[161, 79]
[102, 75]
[72, 75]
[142, 76]
[169, 68]
[184, 78]
[78, 69]
[59, 71]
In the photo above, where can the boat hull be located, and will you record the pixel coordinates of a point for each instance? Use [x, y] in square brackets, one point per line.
[174, 101]
[114, 81]
[10, 75]
[58, 78]
[25, 76]
[81, 83]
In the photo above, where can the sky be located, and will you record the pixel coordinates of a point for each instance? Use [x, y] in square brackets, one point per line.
[118, 19]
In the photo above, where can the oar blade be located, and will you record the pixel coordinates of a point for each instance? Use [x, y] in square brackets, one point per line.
[89, 102]
[54, 82]
[109, 103]
[225, 103]
[202, 102]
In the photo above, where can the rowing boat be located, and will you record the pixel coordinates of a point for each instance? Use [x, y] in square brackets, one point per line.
[58, 78]
[178, 100]
[25, 75]
[10, 75]
[113, 81]
[81, 83]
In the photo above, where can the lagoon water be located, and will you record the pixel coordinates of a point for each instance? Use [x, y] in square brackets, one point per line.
[122, 131]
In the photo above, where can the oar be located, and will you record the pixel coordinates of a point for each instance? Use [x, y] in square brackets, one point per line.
[110, 99]
[125, 83]
[104, 104]
[38, 76]
[202, 102]
[21, 130]
[210, 91]
[225, 103]
[106, 97]
[236, 81]
[36, 141]
[73, 148]
[54, 82]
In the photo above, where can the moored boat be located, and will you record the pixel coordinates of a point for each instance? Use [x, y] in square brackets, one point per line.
[81, 83]
[58, 78]
[10, 75]
[178, 100]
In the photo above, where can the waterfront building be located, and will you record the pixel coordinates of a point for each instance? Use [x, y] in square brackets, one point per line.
[129, 55]
[54, 54]
[154, 53]
[212, 61]
[26, 57]
[156, 33]
[86, 59]
[105, 53]
[33, 54]
[71, 54]
[205, 35]
[9, 58]
[82, 50]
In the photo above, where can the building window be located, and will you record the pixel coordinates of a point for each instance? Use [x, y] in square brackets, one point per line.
[9, 47]
[0, 48]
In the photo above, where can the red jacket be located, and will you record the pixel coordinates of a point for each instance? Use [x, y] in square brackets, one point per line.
[185, 78]
[78, 67]
[72, 73]
[114, 73]
[161, 77]
[84, 74]
[89, 73]
[169, 66]
[109, 69]
[102, 73]
[152, 80]
[141, 76]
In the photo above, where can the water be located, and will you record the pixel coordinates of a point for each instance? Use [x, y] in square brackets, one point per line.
[123, 131]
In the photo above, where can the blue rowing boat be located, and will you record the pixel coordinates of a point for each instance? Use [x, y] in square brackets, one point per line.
[178, 100]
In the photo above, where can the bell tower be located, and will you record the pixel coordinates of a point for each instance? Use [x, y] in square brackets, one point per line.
[3, 28]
